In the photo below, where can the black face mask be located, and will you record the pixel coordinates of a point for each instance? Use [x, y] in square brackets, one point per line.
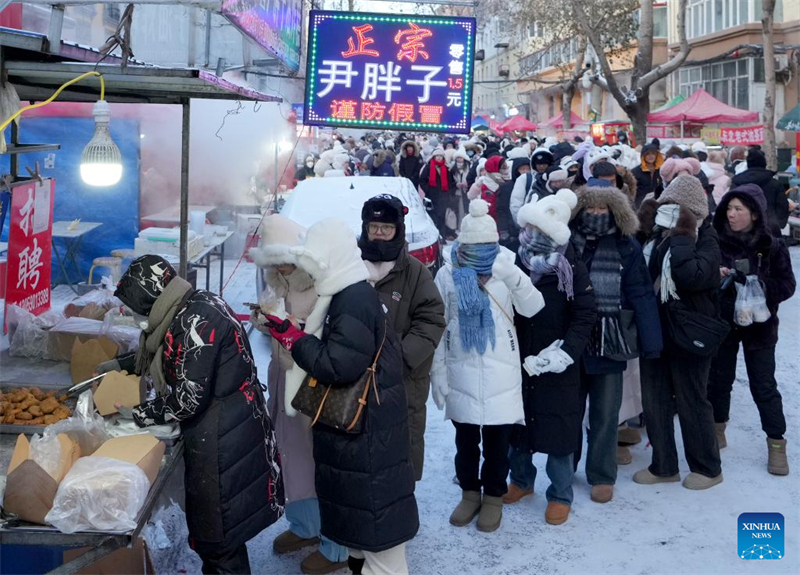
[381, 250]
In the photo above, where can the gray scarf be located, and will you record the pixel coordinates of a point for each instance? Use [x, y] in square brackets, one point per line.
[149, 357]
[605, 273]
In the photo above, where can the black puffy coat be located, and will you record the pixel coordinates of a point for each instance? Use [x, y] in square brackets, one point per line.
[506, 226]
[365, 482]
[769, 259]
[695, 264]
[410, 166]
[552, 400]
[777, 202]
[234, 488]
[647, 182]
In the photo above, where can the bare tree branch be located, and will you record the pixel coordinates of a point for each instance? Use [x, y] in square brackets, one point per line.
[677, 60]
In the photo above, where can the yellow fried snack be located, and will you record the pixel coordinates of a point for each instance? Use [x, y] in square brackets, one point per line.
[61, 412]
[24, 415]
[35, 410]
[50, 419]
[49, 405]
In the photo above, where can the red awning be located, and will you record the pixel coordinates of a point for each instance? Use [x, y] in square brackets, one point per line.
[518, 123]
[702, 107]
[558, 121]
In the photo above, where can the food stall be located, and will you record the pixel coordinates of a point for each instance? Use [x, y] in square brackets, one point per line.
[698, 110]
[35, 371]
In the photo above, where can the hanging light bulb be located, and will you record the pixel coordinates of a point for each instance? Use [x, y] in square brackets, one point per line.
[101, 161]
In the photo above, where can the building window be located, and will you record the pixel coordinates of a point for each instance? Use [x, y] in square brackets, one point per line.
[728, 82]
[708, 16]
[660, 25]
[111, 14]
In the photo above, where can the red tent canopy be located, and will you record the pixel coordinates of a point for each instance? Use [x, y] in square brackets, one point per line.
[518, 123]
[558, 120]
[702, 107]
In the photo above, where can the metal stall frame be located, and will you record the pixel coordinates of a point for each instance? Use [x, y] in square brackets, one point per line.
[35, 73]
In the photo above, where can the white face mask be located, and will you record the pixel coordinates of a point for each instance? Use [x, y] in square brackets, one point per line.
[310, 164]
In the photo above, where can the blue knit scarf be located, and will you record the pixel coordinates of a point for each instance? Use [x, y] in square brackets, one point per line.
[476, 325]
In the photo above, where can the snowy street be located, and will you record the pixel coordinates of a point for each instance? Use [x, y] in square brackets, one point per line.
[651, 530]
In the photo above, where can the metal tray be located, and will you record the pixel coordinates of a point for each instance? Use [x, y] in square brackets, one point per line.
[16, 429]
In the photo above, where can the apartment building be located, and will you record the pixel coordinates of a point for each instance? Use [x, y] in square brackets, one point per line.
[726, 58]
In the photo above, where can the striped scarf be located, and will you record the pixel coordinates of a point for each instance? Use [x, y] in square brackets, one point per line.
[605, 272]
[472, 266]
[542, 256]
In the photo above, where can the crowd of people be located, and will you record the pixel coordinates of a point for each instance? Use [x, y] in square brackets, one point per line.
[582, 287]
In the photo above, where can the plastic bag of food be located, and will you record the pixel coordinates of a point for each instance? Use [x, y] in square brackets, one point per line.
[99, 493]
[28, 334]
[46, 453]
[751, 303]
[85, 427]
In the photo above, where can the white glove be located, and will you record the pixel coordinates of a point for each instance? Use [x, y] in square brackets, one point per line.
[504, 267]
[539, 364]
[440, 393]
[259, 322]
[557, 361]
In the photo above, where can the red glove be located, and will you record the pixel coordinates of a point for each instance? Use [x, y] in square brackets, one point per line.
[284, 332]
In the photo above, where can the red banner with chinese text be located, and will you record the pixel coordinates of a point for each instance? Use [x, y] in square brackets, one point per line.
[746, 136]
[29, 246]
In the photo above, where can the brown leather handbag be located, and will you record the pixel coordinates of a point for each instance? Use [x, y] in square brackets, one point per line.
[340, 407]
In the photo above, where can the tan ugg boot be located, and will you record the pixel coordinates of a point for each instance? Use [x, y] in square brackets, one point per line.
[698, 481]
[515, 493]
[629, 436]
[467, 509]
[491, 514]
[624, 456]
[777, 464]
[719, 431]
[645, 477]
[556, 513]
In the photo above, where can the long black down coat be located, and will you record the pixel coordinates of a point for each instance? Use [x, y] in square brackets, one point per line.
[552, 401]
[233, 483]
[769, 259]
[365, 482]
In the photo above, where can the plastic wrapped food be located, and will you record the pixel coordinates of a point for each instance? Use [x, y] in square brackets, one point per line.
[99, 493]
[751, 303]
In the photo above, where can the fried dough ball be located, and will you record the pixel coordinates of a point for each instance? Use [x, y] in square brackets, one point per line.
[35, 410]
[24, 415]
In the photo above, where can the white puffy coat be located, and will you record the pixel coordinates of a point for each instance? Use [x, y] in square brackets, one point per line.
[484, 389]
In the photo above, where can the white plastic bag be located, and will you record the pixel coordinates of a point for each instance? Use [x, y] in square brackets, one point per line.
[751, 303]
[46, 452]
[85, 427]
[99, 493]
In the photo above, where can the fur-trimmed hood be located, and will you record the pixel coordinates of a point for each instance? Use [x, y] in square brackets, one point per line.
[278, 235]
[409, 143]
[380, 157]
[474, 146]
[629, 186]
[618, 204]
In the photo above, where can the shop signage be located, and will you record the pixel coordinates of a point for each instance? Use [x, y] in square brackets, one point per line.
[29, 246]
[389, 72]
[711, 136]
[746, 136]
[274, 25]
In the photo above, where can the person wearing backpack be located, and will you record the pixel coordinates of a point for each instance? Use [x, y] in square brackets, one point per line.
[742, 223]
[683, 256]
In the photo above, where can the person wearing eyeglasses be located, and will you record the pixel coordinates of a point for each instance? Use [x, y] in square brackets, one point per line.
[415, 308]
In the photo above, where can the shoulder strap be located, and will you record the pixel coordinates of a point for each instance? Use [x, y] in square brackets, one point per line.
[483, 287]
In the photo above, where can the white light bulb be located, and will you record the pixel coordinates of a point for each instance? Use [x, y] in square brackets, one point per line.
[101, 161]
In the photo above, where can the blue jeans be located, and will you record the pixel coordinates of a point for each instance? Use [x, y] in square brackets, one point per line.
[304, 521]
[605, 398]
[559, 470]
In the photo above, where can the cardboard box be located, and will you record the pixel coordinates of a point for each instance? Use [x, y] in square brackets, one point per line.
[64, 335]
[85, 356]
[126, 561]
[142, 450]
[117, 387]
[30, 490]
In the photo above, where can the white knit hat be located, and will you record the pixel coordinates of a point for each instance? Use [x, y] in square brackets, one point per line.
[700, 146]
[551, 215]
[438, 152]
[519, 152]
[478, 227]
[278, 235]
[461, 153]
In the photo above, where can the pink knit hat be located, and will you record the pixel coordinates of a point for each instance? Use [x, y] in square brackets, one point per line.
[676, 166]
